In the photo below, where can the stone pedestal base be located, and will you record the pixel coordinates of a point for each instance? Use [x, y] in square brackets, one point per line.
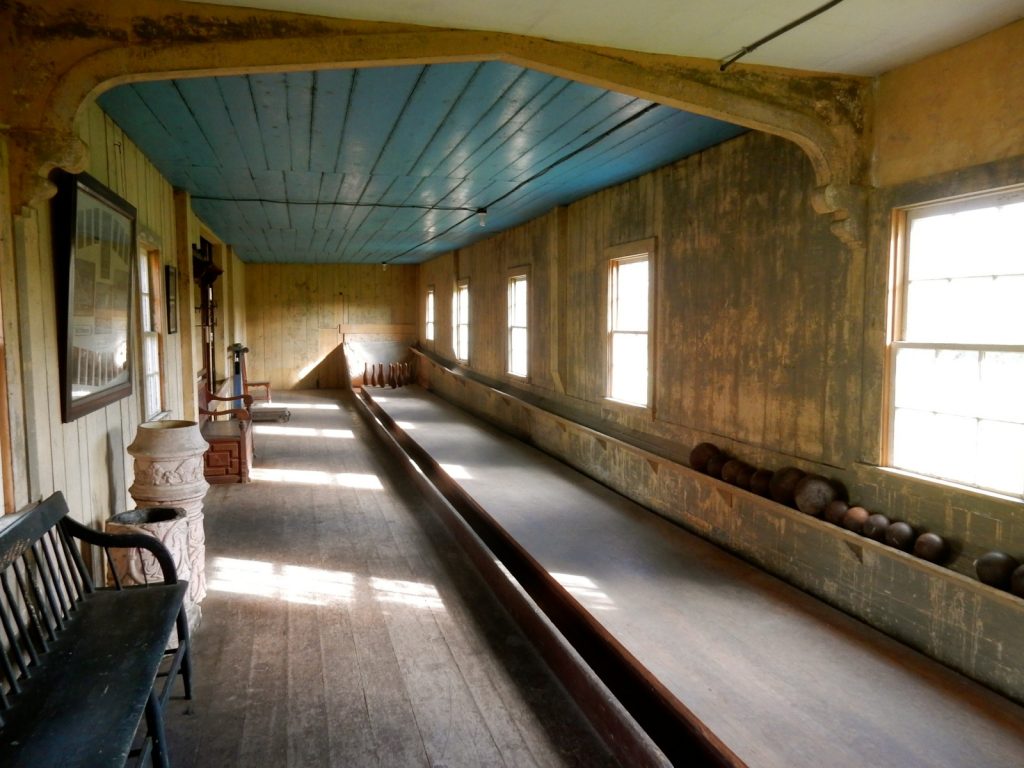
[169, 473]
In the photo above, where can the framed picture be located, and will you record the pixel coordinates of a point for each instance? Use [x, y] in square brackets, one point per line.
[94, 256]
[171, 294]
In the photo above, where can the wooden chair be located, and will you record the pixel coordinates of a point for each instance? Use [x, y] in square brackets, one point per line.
[229, 433]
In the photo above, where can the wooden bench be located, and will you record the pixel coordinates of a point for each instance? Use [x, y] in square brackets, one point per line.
[229, 433]
[81, 664]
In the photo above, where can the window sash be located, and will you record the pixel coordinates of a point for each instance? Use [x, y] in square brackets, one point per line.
[956, 351]
[430, 315]
[518, 334]
[629, 287]
[150, 336]
[460, 326]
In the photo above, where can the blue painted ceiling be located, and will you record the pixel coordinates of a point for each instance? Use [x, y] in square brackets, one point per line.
[392, 164]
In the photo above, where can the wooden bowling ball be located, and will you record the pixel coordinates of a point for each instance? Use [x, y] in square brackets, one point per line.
[855, 518]
[931, 547]
[715, 465]
[701, 454]
[760, 482]
[875, 527]
[835, 511]
[813, 493]
[783, 485]
[731, 470]
[744, 476]
[1017, 582]
[996, 569]
[900, 535]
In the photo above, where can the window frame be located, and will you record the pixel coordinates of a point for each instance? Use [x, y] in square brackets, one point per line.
[458, 321]
[514, 275]
[614, 256]
[430, 315]
[153, 289]
[896, 322]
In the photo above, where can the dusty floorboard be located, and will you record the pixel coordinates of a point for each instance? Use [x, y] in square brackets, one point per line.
[344, 627]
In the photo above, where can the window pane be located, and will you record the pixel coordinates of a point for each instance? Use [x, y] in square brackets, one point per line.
[463, 351]
[1001, 389]
[517, 301]
[972, 310]
[630, 299]
[430, 316]
[629, 367]
[1001, 457]
[517, 355]
[959, 414]
[935, 444]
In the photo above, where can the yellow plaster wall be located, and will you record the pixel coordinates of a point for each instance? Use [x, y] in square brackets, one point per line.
[953, 110]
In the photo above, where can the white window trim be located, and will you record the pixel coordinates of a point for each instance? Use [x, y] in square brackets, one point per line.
[636, 250]
[514, 274]
[430, 316]
[155, 291]
[458, 321]
[896, 327]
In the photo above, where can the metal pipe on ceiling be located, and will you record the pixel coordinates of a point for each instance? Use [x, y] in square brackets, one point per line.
[732, 59]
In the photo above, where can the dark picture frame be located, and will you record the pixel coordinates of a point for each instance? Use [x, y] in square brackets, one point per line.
[95, 246]
[171, 297]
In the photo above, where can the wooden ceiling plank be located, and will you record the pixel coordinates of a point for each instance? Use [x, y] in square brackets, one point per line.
[552, 125]
[143, 127]
[490, 81]
[270, 99]
[379, 97]
[238, 99]
[424, 115]
[204, 99]
[332, 92]
[299, 88]
[166, 103]
[512, 116]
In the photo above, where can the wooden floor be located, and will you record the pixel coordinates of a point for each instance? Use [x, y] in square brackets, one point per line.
[780, 678]
[344, 627]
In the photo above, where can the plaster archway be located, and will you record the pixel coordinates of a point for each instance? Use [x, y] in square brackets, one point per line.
[78, 49]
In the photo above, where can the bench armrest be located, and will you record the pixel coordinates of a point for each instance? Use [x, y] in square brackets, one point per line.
[124, 540]
[239, 413]
[246, 399]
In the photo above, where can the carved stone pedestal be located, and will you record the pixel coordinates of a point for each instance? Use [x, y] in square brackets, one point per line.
[169, 473]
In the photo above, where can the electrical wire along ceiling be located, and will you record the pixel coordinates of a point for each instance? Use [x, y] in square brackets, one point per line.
[393, 164]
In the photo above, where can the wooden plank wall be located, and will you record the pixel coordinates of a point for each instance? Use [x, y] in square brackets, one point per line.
[86, 459]
[763, 347]
[757, 322]
[298, 316]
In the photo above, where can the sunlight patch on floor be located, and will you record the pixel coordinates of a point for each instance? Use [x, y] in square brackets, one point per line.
[307, 406]
[312, 586]
[290, 583]
[359, 480]
[410, 593]
[271, 429]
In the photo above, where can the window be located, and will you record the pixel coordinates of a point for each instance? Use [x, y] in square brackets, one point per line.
[956, 355]
[517, 325]
[628, 322]
[429, 328]
[460, 320]
[150, 309]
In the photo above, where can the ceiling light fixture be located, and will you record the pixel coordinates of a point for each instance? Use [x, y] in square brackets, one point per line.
[481, 216]
[730, 60]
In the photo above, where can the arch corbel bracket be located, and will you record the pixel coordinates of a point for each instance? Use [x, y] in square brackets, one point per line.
[847, 204]
[35, 154]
